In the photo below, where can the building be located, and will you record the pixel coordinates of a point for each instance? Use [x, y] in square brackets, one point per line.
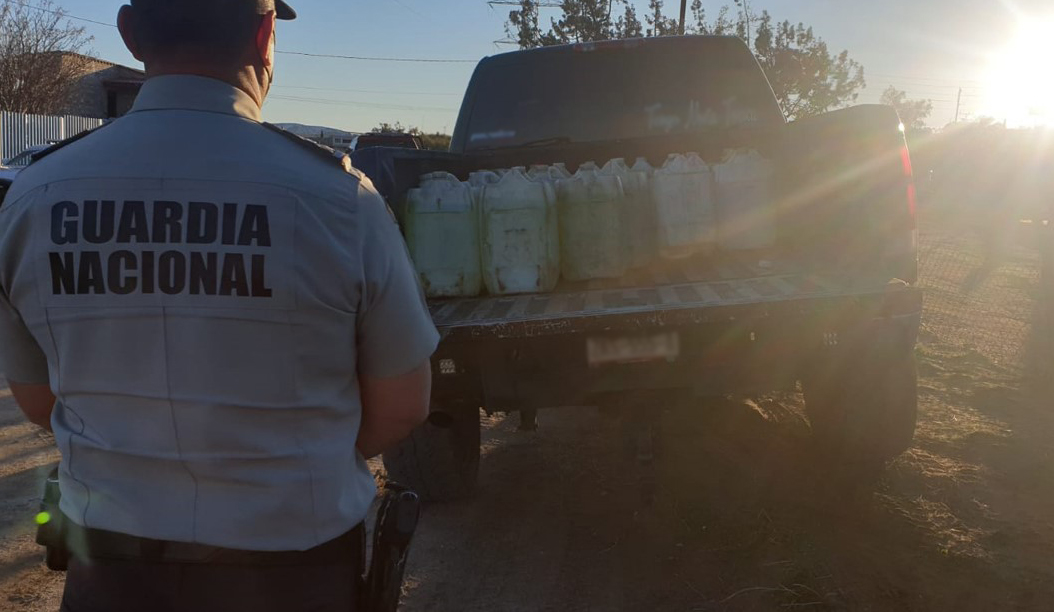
[106, 90]
[330, 137]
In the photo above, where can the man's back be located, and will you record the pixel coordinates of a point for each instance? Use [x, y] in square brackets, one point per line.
[206, 291]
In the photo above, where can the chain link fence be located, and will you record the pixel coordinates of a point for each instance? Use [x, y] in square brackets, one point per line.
[988, 278]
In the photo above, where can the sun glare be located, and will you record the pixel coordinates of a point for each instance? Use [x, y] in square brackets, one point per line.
[1020, 83]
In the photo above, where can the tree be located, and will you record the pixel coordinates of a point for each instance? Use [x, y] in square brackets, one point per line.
[583, 21]
[913, 113]
[805, 76]
[629, 25]
[523, 25]
[435, 141]
[658, 23]
[388, 128]
[39, 57]
[720, 26]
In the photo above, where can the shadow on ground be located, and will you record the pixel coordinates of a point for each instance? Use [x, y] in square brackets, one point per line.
[744, 519]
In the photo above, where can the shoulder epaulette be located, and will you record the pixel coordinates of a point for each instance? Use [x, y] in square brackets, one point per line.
[58, 146]
[330, 155]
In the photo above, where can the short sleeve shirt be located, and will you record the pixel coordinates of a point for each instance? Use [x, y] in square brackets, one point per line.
[202, 294]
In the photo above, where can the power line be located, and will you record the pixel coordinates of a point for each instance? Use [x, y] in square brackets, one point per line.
[63, 14]
[905, 77]
[300, 53]
[540, 4]
[375, 105]
[914, 87]
[382, 59]
[371, 91]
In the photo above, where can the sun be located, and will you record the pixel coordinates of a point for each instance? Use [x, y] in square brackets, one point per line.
[1019, 83]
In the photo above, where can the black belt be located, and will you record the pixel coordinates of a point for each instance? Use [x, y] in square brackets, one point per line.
[348, 549]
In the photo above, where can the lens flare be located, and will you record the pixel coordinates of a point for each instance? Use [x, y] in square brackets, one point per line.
[1021, 90]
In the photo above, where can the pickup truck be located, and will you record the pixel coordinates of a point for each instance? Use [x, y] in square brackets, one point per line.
[833, 309]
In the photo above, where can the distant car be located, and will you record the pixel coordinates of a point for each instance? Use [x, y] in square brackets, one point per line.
[10, 168]
[397, 140]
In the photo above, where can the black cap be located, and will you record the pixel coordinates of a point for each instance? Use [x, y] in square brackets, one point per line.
[281, 9]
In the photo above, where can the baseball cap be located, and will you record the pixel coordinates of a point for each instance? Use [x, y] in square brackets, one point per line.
[281, 9]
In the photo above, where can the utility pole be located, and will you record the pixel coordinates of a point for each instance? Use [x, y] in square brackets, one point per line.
[746, 19]
[958, 104]
[684, 11]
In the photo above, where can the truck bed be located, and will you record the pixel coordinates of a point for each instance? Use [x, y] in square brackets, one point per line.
[657, 296]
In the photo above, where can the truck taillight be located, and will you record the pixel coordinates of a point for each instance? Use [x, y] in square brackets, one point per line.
[912, 194]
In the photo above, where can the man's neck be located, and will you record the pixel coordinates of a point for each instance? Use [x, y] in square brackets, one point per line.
[244, 79]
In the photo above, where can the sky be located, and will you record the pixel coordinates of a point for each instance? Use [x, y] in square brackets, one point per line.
[928, 48]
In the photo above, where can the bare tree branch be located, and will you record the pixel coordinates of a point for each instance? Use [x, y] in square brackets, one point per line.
[37, 71]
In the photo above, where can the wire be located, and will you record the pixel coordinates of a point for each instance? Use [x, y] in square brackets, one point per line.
[301, 53]
[382, 59]
[408, 8]
[903, 77]
[363, 104]
[63, 14]
[372, 91]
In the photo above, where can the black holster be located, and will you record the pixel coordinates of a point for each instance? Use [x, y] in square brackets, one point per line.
[51, 526]
[393, 531]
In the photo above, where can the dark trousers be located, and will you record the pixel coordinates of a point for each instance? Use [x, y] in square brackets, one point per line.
[139, 585]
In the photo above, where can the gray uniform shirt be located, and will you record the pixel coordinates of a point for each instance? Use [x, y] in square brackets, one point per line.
[201, 293]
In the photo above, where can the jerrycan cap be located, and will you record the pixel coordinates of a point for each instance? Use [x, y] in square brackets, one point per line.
[615, 166]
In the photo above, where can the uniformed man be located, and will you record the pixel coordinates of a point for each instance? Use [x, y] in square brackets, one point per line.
[229, 322]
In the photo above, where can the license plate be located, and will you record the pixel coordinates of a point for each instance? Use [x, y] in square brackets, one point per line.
[633, 349]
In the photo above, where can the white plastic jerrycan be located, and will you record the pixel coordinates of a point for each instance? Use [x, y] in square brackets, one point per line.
[745, 209]
[686, 215]
[442, 233]
[642, 166]
[593, 243]
[638, 215]
[520, 237]
[477, 180]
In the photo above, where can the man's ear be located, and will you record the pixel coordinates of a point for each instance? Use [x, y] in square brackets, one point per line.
[265, 39]
[126, 25]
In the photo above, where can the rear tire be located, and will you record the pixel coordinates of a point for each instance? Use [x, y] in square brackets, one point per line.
[440, 459]
[863, 411]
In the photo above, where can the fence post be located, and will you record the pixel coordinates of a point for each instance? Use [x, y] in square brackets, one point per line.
[1046, 294]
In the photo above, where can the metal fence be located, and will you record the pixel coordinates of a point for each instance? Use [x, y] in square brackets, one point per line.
[20, 131]
[989, 283]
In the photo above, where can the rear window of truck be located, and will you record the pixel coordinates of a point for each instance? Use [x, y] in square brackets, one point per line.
[614, 91]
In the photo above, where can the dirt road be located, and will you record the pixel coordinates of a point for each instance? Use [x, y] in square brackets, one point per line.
[739, 521]
[26, 457]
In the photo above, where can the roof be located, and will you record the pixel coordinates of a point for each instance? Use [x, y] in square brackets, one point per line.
[95, 59]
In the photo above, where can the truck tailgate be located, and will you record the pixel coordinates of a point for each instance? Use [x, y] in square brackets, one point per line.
[667, 296]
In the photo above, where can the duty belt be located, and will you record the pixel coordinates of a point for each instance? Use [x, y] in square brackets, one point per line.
[348, 549]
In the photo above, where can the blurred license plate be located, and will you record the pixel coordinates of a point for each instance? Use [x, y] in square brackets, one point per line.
[632, 349]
